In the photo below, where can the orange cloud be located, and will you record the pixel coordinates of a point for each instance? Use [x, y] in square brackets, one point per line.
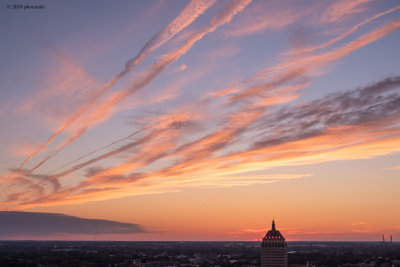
[350, 126]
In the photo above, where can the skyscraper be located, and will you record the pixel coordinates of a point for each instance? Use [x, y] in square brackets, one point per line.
[274, 249]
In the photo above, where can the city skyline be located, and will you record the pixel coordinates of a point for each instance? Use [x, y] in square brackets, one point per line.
[201, 120]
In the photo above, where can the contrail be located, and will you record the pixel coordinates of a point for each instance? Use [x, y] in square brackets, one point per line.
[109, 154]
[345, 34]
[184, 19]
[187, 16]
[97, 150]
[338, 38]
[288, 76]
[171, 57]
[223, 16]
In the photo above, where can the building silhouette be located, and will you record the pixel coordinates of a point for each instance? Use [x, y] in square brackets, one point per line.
[274, 249]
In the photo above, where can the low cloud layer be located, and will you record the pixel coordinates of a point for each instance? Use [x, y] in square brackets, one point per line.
[31, 224]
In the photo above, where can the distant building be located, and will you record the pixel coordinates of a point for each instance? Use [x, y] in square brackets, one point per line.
[274, 249]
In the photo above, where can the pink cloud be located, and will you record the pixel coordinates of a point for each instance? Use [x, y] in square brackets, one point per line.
[343, 35]
[185, 18]
[169, 156]
[181, 67]
[342, 8]
[261, 16]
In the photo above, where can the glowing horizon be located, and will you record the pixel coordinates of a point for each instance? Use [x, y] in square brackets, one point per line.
[204, 119]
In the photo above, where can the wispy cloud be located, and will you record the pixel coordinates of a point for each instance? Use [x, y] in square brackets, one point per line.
[295, 70]
[225, 137]
[104, 109]
[178, 69]
[345, 34]
[185, 18]
[339, 9]
[261, 16]
[67, 84]
[317, 131]
[194, 9]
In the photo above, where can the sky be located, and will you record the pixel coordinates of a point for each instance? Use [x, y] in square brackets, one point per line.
[199, 120]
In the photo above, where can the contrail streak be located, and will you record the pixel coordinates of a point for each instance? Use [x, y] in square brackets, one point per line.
[185, 18]
[345, 34]
[97, 150]
[223, 16]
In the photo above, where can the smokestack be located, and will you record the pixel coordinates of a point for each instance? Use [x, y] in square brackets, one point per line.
[383, 238]
[391, 240]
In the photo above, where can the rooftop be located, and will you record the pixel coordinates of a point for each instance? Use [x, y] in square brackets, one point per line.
[273, 234]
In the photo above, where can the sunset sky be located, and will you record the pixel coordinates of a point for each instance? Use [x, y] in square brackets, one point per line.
[200, 120]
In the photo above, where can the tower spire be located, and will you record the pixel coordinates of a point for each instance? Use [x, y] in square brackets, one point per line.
[273, 225]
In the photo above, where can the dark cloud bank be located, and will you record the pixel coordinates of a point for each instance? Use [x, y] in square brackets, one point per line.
[377, 105]
[17, 223]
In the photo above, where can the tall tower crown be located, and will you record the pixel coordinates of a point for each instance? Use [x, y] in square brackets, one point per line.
[273, 234]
